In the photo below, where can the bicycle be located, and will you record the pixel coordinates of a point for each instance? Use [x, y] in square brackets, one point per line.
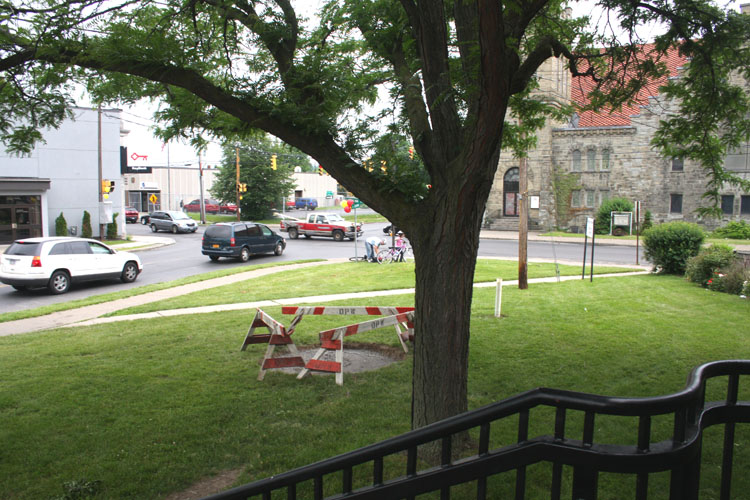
[394, 254]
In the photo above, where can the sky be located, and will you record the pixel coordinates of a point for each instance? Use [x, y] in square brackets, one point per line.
[145, 149]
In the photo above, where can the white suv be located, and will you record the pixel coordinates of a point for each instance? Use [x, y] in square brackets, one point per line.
[58, 262]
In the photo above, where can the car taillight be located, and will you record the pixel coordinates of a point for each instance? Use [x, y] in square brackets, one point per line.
[36, 262]
[231, 242]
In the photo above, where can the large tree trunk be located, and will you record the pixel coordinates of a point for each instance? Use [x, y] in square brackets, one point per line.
[445, 261]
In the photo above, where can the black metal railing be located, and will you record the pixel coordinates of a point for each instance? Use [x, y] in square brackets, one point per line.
[576, 462]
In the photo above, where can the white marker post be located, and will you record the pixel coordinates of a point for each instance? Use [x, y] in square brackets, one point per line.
[499, 297]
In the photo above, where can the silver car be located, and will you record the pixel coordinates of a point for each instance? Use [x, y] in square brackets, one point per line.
[174, 221]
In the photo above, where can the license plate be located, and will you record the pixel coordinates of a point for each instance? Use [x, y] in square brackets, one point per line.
[215, 246]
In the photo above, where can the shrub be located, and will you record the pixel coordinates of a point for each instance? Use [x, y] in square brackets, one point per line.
[112, 227]
[648, 221]
[730, 279]
[746, 289]
[701, 268]
[669, 246]
[735, 230]
[86, 230]
[603, 216]
[61, 226]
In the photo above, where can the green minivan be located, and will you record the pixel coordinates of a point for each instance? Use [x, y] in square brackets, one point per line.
[240, 240]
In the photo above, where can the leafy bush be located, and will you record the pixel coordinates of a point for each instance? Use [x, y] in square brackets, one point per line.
[86, 230]
[648, 221]
[731, 279]
[112, 227]
[735, 230]
[604, 215]
[701, 268]
[746, 289]
[669, 246]
[61, 226]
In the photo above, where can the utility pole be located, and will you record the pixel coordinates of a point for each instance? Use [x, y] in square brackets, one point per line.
[102, 227]
[523, 224]
[200, 185]
[169, 181]
[237, 185]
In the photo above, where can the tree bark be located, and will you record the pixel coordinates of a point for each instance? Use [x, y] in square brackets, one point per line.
[445, 263]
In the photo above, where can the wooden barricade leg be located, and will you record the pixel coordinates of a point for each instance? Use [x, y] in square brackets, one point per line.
[333, 340]
[276, 336]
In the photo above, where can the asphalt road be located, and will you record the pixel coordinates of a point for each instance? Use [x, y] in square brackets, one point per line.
[185, 259]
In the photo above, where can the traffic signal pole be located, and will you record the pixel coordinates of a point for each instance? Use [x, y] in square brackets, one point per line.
[102, 227]
[237, 185]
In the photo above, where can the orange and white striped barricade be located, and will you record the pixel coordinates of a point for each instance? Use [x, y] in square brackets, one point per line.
[277, 336]
[333, 340]
[300, 311]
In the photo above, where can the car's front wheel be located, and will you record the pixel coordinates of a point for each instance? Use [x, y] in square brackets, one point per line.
[144, 221]
[129, 272]
[244, 254]
[279, 249]
[338, 235]
[174, 229]
[153, 228]
[59, 282]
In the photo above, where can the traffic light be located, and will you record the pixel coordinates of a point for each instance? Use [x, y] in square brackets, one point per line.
[107, 187]
[383, 166]
[242, 187]
[273, 162]
[320, 170]
[411, 152]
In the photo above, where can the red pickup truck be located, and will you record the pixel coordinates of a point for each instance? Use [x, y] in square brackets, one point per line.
[329, 225]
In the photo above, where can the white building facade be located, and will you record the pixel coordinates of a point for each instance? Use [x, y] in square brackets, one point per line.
[62, 176]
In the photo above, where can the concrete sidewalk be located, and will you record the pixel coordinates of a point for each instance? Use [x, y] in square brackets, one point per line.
[73, 316]
[91, 315]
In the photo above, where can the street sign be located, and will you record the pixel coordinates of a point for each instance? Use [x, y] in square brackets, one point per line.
[153, 199]
[356, 204]
[590, 227]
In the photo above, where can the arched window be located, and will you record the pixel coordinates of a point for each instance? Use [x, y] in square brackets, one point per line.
[510, 192]
[576, 160]
[591, 160]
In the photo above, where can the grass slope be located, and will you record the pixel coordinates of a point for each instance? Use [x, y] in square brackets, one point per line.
[150, 407]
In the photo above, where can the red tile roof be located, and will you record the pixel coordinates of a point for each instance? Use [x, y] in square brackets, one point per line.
[582, 86]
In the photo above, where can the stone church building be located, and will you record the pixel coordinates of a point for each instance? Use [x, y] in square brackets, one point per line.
[592, 157]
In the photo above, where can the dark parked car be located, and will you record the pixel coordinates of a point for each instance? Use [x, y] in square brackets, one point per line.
[240, 240]
[131, 215]
[387, 229]
[175, 221]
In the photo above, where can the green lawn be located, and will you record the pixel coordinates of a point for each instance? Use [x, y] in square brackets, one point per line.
[98, 299]
[149, 407]
[342, 278]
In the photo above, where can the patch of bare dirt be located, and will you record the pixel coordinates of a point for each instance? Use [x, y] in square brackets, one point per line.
[208, 486]
[358, 357]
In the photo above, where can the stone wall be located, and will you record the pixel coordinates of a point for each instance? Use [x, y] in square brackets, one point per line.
[636, 171]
